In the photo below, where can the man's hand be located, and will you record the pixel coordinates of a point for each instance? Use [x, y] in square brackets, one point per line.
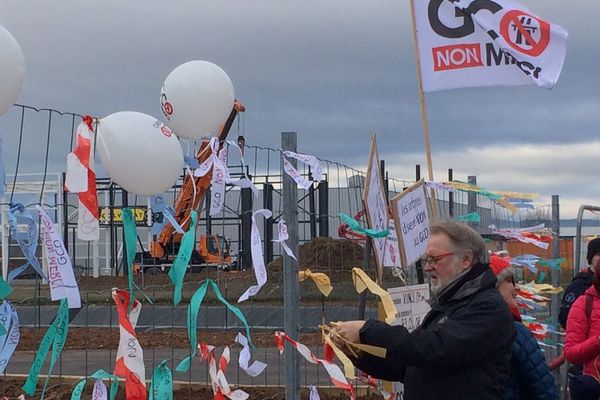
[349, 330]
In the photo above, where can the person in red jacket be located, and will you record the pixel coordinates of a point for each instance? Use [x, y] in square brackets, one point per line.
[582, 342]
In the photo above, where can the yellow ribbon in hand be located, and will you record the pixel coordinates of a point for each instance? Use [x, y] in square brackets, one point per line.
[362, 281]
[348, 366]
[320, 279]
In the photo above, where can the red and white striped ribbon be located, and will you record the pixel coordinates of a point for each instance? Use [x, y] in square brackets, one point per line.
[81, 179]
[219, 383]
[335, 373]
[130, 356]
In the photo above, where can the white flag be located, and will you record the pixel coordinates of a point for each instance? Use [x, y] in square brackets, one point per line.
[468, 43]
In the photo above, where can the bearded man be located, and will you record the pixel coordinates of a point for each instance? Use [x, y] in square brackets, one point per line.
[463, 347]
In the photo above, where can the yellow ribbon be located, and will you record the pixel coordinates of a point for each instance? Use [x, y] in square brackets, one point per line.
[362, 281]
[545, 288]
[320, 279]
[348, 366]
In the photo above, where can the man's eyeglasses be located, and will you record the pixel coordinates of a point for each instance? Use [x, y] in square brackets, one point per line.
[432, 260]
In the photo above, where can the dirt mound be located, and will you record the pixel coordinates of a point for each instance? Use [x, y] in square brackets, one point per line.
[326, 254]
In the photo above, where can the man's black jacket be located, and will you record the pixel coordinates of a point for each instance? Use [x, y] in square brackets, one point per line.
[461, 350]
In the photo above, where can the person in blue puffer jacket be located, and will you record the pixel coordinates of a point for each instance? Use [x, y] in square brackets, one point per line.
[530, 377]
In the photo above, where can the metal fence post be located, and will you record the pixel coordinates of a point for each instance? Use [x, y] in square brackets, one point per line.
[323, 209]
[268, 204]
[246, 194]
[290, 274]
[555, 275]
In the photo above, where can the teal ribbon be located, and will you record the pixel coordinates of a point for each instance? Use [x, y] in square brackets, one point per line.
[553, 263]
[100, 374]
[479, 190]
[355, 226]
[130, 233]
[470, 217]
[179, 267]
[192, 320]
[161, 387]
[55, 336]
[5, 289]
[541, 277]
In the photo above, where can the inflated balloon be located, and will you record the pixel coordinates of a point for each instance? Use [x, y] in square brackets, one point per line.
[12, 70]
[140, 153]
[196, 98]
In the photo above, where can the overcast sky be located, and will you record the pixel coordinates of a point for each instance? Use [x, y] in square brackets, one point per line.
[333, 71]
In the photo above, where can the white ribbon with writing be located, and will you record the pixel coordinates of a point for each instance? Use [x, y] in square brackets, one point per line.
[220, 176]
[316, 169]
[217, 160]
[258, 261]
[100, 391]
[60, 270]
[8, 342]
[283, 236]
[295, 175]
[254, 369]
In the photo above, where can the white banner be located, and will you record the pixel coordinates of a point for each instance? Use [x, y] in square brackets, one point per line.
[468, 43]
[392, 252]
[258, 261]
[60, 270]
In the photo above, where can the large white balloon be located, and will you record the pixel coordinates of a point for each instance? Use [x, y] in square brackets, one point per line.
[12, 70]
[140, 153]
[196, 98]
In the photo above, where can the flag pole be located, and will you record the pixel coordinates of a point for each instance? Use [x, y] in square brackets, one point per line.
[423, 108]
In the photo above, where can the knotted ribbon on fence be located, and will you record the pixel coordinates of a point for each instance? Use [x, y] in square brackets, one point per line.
[81, 179]
[60, 270]
[258, 261]
[355, 226]
[179, 267]
[130, 356]
[335, 373]
[282, 237]
[161, 387]
[100, 391]
[55, 337]
[219, 383]
[312, 161]
[192, 319]
[28, 240]
[130, 234]
[9, 339]
[362, 281]
[320, 279]
[254, 369]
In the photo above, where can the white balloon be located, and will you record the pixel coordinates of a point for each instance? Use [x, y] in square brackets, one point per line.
[140, 153]
[12, 70]
[196, 98]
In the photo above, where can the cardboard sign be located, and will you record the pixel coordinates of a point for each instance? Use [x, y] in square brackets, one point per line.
[411, 218]
[375, 203]
[411, 303]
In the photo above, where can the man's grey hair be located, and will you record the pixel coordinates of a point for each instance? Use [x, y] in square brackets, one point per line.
[463, 238]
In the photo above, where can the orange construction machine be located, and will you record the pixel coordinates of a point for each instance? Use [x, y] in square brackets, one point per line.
[210, 250]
